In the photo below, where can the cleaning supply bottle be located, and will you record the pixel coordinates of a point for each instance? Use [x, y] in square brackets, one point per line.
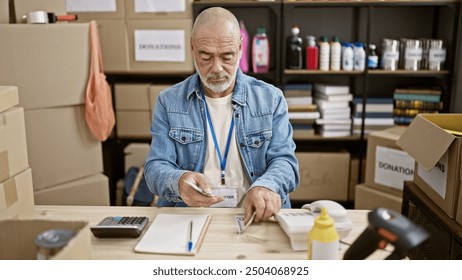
[312, 53]
[359, 56]
[347, 56]
[323, 239]
[244, 62]
[373, 58]
[324, 54]
[294, 49]
[260, 51]
[335, 54]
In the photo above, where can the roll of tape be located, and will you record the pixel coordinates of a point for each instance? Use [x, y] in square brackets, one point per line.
[37, 17]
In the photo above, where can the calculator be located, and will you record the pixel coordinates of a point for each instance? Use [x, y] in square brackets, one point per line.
[120, 226]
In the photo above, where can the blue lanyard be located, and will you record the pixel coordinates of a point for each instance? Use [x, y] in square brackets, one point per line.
[214, 137]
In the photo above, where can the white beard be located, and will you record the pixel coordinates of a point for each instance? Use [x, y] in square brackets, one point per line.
[217, 87]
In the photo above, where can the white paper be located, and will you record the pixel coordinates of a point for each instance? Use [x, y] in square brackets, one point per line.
[393, 167]
[437, 177]
[230, 196]
[91, 5]
[160, 45]
[157, 6]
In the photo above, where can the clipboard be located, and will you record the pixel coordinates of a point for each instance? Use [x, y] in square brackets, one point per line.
[169, 234]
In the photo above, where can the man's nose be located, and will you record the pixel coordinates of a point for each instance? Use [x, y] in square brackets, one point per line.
[216, 66]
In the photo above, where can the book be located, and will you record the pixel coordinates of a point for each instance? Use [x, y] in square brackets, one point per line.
[412, 112]
[333, 133]
[421, 97]
[339, 121]
[359, 114]
[302, 107]
[299, 100]
[335, 126]
[304, 115]
[419, 90]
[332, 89]
[323, 104]
[169, 234]
[417, 104]
[374, 121]
[403, 120]
[337, 97]
[373, 105]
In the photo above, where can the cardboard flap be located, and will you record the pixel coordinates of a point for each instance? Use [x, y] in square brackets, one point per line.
[426, 140]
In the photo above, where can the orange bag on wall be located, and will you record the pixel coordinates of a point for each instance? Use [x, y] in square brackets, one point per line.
[99, 111]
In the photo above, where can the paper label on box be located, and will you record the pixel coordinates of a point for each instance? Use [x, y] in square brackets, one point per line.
[158, 6]
[91, 5]
[437, 177]
[393, 167]
[160, 45]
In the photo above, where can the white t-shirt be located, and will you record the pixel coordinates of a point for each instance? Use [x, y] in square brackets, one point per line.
[221, 113]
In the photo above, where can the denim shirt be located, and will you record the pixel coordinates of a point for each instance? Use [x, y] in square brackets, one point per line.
[263, 132]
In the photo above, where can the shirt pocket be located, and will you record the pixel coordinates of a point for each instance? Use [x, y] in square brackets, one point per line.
[258, 138]
[188, 143]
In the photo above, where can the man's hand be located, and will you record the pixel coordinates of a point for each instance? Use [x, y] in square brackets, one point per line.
[264, 202]
[192, 197]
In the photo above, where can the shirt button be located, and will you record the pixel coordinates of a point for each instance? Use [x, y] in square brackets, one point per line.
[242, 145]
[251, 174]
[237, 116]
[183, 138]
[256, 142]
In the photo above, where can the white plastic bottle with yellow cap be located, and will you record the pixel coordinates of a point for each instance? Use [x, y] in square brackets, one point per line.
[323, 239]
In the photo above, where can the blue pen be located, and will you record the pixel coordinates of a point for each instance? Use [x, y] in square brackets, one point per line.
[190, 242]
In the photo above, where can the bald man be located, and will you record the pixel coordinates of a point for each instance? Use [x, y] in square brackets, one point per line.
[225, 132]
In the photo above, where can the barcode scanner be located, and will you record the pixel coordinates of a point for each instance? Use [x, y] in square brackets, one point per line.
[386, 227]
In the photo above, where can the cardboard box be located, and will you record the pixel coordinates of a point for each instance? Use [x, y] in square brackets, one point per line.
[388, 165]
[144, 37]
[368, 197]
[133, 124]
[154, 92]
[136, 154]
[13, 146]
[459, 209]
[8, 97]
[23, 7]
[132, 97]
[92, 190]
[17, 239]
[4, 11]
[323, 176]
[114, 44]
[16, 198]
[354, 173]
[438, 155]
[152, 9]
[61, 148]
[53, 66]
[89, 10]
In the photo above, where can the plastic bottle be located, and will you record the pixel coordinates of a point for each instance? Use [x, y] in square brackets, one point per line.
[359, 56]
[312, 53]
[335, 54]
[260, 51]
[294, 49]
[244, 62]
[323, 239]
[324, 54]
[347, 57]
[373, 58]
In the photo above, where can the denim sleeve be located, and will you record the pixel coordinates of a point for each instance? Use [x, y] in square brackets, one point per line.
[282, 173]
[161, 171]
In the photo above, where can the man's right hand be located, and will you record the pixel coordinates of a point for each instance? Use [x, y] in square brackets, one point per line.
[192, 197]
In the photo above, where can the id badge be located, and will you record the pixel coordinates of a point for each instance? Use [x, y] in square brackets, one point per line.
[230, 194]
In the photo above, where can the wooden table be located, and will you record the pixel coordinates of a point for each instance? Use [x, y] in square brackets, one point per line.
[261, 241]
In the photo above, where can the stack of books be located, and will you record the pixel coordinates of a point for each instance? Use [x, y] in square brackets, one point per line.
[378, 114]
[302, 111]
[334, 109]
[408, 102]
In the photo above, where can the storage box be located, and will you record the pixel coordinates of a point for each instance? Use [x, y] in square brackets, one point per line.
[388, 165]
[16, 198]
[136, 154]
[160, 46]
[438, 156]
[98, 10]
[23, 7]
[92, 190]
[133, 124]
[4, 11]
[132, 97]
[354, 173]
[8, 97]
[323, 176]
[154, 92]
[61, 148]
[49, 63]
[368, 197]
[17, 239]
[152, 9]
[13, 146]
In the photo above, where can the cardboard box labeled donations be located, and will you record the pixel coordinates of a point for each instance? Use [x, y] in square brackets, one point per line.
[368, 197]
[323, 176]
[437, 151]
[387, 165]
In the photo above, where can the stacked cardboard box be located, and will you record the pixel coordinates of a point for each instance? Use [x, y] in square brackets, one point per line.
[435, 142]
[323, 175]
[16, 193]
[51, 75]
[386, 170]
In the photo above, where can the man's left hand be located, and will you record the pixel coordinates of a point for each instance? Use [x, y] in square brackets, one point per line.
[264, 202]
